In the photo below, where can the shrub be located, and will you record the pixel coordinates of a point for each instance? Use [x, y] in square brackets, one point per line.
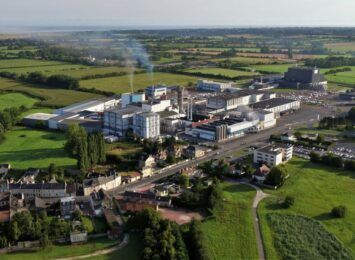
[339, 211]
[289, 201]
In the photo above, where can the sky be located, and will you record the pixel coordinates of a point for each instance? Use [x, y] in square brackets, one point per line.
[177, 13]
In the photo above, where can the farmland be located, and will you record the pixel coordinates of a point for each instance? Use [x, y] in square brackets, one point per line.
[31, 65]
[222, 72]
[53, 97]
[25, 148]
[121, 84]
[316, 189]
[15, 100]
[230, 233]
[342, 47]
[274, 68]
[346, 77]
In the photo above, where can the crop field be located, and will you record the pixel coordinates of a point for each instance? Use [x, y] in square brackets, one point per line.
[316, 189]
[15, 100]
[341, 46]
[24, 148]
[223, 72]
[54, 97]
[230, 233]
[121, 84]
[299, 237]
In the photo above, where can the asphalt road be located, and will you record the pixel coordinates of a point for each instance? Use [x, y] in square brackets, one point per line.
[307, 114]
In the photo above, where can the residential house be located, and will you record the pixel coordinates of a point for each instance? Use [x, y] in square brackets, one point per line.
[193, 152]
[67, 206]
[29, 176]
[4, 169]
[78, 237]
[42, 190]
[5, 207]
[147, 165]
[261, 173]
[131, 177]
[103, 182]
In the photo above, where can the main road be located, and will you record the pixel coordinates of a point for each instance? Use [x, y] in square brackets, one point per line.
[308, 114]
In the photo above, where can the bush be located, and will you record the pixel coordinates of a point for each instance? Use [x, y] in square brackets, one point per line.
[339, 211]
[289, 201]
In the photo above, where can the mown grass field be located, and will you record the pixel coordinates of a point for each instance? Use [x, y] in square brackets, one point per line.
[276, 68]
[121, 84]
[24, 148]
[61, 251]
[16, 100]
[316, 189]
[229, 234]
[222, 72]
[49, 96]
[89, 71]
[346, 77]
[299, 237]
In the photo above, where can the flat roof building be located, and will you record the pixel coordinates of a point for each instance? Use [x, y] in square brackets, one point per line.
[213, 86]
[304, 77]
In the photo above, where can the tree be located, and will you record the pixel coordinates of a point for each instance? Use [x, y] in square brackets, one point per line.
[314, 157]
[52, 170]
[277, 176]
[298, 135]
[3, 241]
[339, 211]
[320, 139]
[14, 231]
[170, 159]
[351, 114]
[289, 201]
[184, 180]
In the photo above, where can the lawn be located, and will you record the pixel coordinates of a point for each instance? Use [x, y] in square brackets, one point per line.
[132, 251]
[229, 234]
[24, 148]
[61, 251]
[223, 72]
[54, 97]
[316, 189]
[16, 100]
[121, 84]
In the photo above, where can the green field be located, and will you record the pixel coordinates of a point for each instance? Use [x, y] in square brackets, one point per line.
[229, 234]
[61, 251]
[132, 251]
[90, 71]
[31, 65]
[341, 46]
[121, 84]
[49, 96]
[223, 72]
[247, 60]
[316, 189]
[15, 100]
[275, 68]
[24, 148]
[346, 77]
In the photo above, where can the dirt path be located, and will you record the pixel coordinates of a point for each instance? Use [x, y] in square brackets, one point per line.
[260, 195]
[101, 252]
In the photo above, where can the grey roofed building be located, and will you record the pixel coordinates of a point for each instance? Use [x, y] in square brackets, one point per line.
[304, 77]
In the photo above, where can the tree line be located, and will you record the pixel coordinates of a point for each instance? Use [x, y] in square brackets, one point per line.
[59, 81]
[88, 149]
[332, 160]
[331, 62]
